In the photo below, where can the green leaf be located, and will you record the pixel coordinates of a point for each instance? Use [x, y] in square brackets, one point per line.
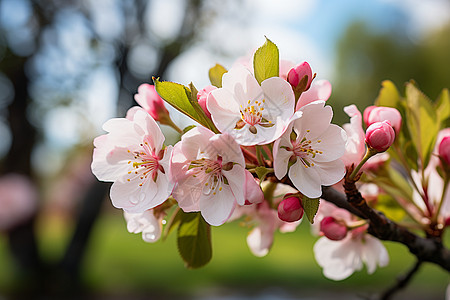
[310, 206]
[443, 107]
[266, 61]
[176, 95]
[194, 240]
[202, 117]
[215, 75]
[422, 122]
[388, 95]
[187, 128]
[262, 172]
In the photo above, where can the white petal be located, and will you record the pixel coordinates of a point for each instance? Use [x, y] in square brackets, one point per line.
[316, 118]
[280, 160]
[279, 98]
[258, 243]
[236, 180]
[242, 84]
[187, 192]
[332, 144]
[226, 146]
[306, 180]
[224, 109]
[330, 172]
[374, 253]
[217, 209]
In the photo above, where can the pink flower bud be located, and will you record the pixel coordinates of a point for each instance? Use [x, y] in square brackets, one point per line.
[297, 73]
[148, 99]
[202, 97]
[290, 209]
[333, 229]
[374, 114]
[444, 150]
[380, 136]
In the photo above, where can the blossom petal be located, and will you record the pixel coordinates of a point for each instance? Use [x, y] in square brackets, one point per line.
[330, 172]
[217, 209]
[374, 253]
[332, 144]
[319, 90]
[240, 82]
[258, 242]
[306, 179]
[279, 98]
[224, 109]
[236, 180]
[316, 118]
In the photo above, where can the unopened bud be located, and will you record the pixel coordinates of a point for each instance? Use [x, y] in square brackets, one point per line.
[300, 75]
[380, 136]
[202, 98]
[148, 99]
[444, 151]
[373, 114]
[290, 209]
[333, 229]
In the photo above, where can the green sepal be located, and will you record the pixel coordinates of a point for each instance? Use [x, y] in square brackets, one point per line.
[187, 128]
[215, 75]
[310, 207]
[262, 172]
[194, 240]
[266, 61]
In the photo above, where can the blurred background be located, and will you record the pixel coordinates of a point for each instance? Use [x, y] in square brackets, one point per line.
[67, 66]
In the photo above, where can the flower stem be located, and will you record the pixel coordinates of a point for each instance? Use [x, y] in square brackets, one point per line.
[444, 191]
[369, 153]
[170, 123]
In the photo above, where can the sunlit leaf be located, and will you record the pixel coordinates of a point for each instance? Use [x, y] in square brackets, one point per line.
[422, 122]
[194, 240]
[175, 94]
[388, 95]
[215, 75]
[201, 116]
[266, 61]
[310, 206]
[443, 108]
[262, 172]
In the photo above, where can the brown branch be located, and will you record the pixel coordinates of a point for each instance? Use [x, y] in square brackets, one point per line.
[425, 249]
[402, 281]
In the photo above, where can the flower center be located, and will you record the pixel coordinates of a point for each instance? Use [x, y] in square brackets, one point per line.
[209, 174]
[146, 163]
[302, 147]
[252, 115]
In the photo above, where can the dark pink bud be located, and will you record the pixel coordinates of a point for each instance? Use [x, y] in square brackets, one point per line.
[380, 136]
[297, 74]
[202, 97]
[373, 114]
[444, 150]
[148, 99]
[290, 209]
[333, 229]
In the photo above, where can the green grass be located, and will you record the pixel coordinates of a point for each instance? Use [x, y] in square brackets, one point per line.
[118, 262]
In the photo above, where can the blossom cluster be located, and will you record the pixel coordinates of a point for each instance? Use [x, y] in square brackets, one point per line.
[262, 149]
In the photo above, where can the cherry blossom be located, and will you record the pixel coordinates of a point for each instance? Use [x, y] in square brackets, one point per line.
[148, 99]
[264, 221]
[373, 114]
[145, 222]
[431, 185]
[252, 114]
[380, 136]
[319, 90]
[209, 173]
[132, 155]
[341, 258]
[313, 146]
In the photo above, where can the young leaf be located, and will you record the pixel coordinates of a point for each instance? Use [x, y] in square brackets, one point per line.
[194, 240]
[215, 75]
[175, 94]
[443, 107]
[173, 222]
[202, 118]
[388, 95]
[422, 122]
[266, 61]
[310, 206]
